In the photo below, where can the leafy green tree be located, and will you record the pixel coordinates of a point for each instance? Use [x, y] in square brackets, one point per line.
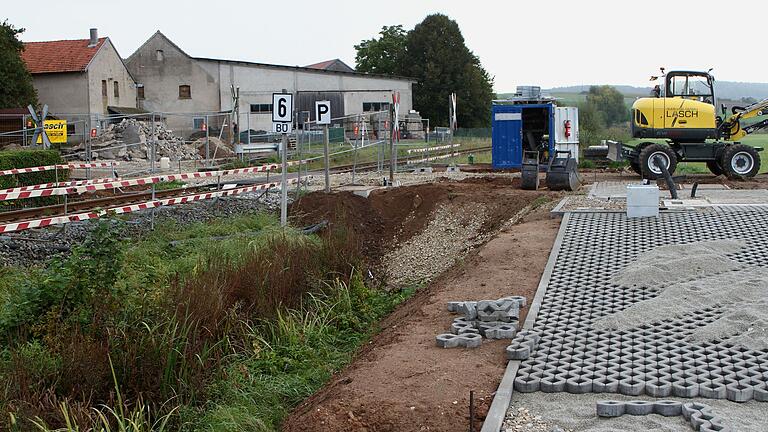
[609, 102]
[433, 53]
[438, 58]
[16, 89]
[384, 55]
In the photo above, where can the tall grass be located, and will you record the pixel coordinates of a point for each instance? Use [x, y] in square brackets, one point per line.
[144, 345]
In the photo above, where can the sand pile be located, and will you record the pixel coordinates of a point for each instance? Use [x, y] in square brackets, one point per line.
[694, 277]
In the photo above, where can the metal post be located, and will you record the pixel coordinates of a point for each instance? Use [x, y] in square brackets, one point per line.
[248, 121]
[207, 143]
[298, 152]
[87, 125]
[356, 142]
[24, 130]
[391, 145]
[326, 158]
[152, 148]
[284, 187]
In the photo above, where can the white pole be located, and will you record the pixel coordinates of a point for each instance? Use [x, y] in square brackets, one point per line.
[326, 140]
[284, 186]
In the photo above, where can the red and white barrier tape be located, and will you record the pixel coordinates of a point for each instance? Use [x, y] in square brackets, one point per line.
[57, 185]
[422, 150]
[30, 192]
[54, 167]
[58, 220]
[445, 156]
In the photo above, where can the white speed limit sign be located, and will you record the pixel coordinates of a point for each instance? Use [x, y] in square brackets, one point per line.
[282, 108]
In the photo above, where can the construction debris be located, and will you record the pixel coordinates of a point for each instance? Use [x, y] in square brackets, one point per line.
[131, 139]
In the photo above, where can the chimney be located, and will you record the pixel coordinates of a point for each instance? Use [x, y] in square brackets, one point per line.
[94, 38]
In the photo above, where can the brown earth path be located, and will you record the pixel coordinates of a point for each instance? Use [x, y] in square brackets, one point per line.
[401, 381]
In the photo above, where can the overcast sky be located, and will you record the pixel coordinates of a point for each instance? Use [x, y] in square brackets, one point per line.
[546, 42]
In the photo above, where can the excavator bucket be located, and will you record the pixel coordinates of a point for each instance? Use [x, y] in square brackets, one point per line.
[530, 170]
[562, 172]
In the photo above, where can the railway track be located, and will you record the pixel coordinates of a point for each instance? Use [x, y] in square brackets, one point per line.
[96, 203]
[78, 206]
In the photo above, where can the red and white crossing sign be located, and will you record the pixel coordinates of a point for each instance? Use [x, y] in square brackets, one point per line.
[396, 108]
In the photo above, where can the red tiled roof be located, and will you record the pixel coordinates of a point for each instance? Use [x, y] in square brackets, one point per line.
[322, 65]
[59, 56]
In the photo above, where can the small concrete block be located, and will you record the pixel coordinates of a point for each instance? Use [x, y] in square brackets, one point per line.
[467, 340]
[504, 331]
[638, 407]
[468, 309]
[668, 408]
[447, 340]
[518, 351]
[453, 169]
[496, 310]
[610, 408]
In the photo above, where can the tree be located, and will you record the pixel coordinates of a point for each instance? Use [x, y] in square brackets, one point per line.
[609, 102]
[438, 58]
[16, 89]
[384, 55]
[434, 54]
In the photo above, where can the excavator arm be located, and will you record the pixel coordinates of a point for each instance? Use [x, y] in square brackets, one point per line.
[733, 129]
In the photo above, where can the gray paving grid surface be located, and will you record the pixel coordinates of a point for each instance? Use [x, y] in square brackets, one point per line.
[654, 359]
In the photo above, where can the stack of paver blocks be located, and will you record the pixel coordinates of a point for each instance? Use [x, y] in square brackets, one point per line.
[492, 319]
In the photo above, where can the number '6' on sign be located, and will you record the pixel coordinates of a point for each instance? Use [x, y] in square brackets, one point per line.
[282, 107]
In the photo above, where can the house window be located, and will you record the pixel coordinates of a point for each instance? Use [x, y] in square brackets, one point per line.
[261, 108]
[185, 92]
[140, 92]
[198, 123]
[159, 55]
[375, 106]
[116, 86]
[104, 88]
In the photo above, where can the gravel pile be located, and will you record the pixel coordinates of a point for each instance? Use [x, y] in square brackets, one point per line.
[522, 420]
[583, 202]
[449, 236]
[370, 178]
[128, 140]
[33, 247]
[690, 278]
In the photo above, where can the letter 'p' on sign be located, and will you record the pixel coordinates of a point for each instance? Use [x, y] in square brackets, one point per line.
[323, 112]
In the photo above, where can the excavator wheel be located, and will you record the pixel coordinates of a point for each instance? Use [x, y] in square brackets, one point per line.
[635, 167]
[714, 167]
[647, 156]
[740, 161]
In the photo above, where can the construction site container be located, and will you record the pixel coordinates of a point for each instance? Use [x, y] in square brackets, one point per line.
[567, 130]
[518, 128]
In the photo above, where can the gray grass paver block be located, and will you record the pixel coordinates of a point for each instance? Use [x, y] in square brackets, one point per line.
[659, 359]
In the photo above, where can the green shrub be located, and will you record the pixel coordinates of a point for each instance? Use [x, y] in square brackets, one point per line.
[30, 158]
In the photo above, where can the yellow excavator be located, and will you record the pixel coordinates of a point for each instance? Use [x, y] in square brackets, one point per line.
[682, 112]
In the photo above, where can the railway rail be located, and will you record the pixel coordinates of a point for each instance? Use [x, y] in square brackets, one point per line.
[133, 197]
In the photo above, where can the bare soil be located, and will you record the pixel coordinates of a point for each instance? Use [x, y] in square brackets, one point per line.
[389, 217]
[401, 381]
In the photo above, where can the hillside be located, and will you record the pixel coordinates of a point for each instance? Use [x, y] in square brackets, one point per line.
[724, 89]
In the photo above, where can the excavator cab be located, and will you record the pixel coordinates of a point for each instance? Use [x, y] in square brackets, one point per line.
[681, 109]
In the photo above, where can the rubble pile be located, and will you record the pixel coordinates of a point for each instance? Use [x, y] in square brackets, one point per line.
[131, 139]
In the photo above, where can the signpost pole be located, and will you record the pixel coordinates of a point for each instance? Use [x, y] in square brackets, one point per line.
[326, 158]
[284, 181]
[391, 145]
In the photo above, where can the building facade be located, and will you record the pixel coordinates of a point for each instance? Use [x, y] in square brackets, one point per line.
[80, 78]
[185, 87]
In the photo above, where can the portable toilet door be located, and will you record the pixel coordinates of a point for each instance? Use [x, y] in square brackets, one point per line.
[506, 136]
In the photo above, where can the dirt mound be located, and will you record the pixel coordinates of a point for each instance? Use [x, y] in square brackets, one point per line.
[392, 216]
[401, 381]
